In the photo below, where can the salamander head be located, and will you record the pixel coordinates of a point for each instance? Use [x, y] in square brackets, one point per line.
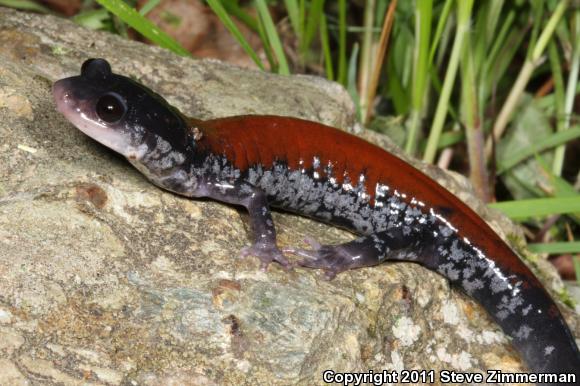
[124, 116]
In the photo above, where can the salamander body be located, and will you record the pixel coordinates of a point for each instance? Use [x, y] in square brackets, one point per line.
[260, 162]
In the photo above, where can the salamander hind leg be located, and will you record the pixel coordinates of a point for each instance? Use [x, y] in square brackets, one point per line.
[333, 259]
[364, 251]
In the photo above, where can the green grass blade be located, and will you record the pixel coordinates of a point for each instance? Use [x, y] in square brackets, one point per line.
[539, 207]
[94, 19]
[500, 37]
[326, 48]
[463, 24]
[25, 5]
[366, 55]
[397, 92]
[561, 188]
[555, 247]
[493, 16]
[266, 45]
[342, 42]
[221, 13]
[301, 21]
[553, 140]
[421, 65]
[148, 6]
[549, 29]
[482, 34]
[293, 11]
[232, 8]
[381, 12]
[570, 96]
[486, 81]
[537, 13]
[441, 23]
[501, 60]
[312, 23]
[273, 37]
[559, 97]
[143, 25]
[351, 79]
[448, 138]
[438, 87]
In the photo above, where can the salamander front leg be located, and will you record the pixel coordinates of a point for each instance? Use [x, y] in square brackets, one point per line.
[264, 233]
[364, 251]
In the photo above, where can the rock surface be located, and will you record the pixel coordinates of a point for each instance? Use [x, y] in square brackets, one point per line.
[105, 279]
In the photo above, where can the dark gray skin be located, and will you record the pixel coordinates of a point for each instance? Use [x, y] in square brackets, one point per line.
[228, 160]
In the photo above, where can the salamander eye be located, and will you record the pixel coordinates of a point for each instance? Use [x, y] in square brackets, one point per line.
[110, 108]
[96, 68]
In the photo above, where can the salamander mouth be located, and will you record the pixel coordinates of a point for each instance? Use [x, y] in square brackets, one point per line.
[62, 97]
[74, 109]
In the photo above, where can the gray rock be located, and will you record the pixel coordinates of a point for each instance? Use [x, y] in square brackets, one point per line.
[105, 279]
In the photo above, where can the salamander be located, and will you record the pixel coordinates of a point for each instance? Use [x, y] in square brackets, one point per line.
[263, 162]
